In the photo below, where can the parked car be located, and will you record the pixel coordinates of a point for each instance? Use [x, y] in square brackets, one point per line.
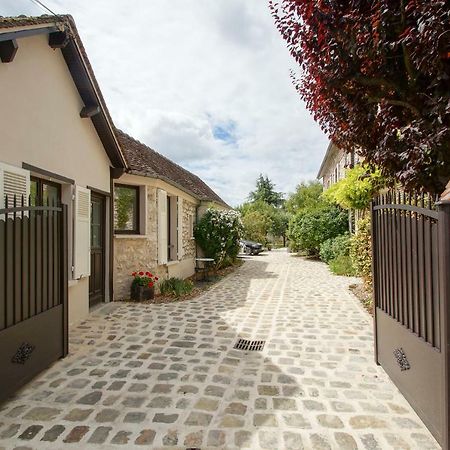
[250, 247]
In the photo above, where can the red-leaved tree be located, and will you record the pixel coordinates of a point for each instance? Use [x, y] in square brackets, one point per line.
[375, 75]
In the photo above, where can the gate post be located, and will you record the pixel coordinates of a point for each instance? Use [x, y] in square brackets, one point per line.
[64, 283]
[444, 275]
[375, 280]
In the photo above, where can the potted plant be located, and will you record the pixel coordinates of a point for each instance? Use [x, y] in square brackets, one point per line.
[143, 286]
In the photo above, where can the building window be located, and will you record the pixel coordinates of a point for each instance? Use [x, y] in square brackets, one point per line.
[44, 192]
[172, 223]
[126, 209]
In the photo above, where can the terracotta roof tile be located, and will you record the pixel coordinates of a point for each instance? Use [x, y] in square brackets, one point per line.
[143, 160]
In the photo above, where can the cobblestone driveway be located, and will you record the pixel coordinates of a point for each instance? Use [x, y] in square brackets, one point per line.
[168, 376]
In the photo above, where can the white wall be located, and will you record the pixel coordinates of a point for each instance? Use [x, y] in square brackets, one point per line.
[40, 125]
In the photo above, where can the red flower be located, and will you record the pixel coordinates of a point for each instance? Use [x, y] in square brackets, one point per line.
[141, 273]
[150, 284]
[133, 274]
[156, 278]
[148, 274]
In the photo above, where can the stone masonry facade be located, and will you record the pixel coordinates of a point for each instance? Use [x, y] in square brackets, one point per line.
[189, 213]
[140, 252]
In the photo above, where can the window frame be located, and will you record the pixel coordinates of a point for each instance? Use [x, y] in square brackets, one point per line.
[136, 221]
[40, 190]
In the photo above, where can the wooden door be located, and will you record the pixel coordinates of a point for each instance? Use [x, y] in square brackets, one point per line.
[97, 277]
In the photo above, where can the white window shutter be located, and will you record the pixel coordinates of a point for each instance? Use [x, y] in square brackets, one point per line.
[162, 227]
[14, 182]
[180, 228]
[82, 244]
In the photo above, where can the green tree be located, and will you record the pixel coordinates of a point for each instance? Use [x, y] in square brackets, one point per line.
[265, 192]
[357, 189]
[309, 228]
[307, 195]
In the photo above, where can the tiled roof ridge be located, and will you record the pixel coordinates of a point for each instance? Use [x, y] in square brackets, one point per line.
[147, 147]
[193, 184]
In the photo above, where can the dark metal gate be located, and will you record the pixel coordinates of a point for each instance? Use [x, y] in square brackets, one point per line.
[33, 291]
[411, 268]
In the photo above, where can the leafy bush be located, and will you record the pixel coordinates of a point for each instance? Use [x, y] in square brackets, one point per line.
[361, 250]
[218, 233]
[306, 195]
[342, 265]
[357, 189]
[176, 286]
[310, 228]
[334, 247]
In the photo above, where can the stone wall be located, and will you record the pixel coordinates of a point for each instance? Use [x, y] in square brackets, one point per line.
[137, 252]
[140, 252]
[189, 211]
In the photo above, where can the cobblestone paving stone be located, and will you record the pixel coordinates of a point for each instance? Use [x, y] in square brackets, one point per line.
[167, 376]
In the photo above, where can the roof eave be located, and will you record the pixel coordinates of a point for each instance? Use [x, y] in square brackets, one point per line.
[325, 160]
[81, 76]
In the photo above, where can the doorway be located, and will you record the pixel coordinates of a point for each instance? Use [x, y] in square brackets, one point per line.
[97, 277]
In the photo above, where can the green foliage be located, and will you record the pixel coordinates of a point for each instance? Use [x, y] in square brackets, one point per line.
[334, 247]
[342, 265]
[357, 189]
[265, 192]
[218, 233]
[309, 228]
[123, 206]
[261, 220]
[257, 225]
[361, 250]
[307, 195]
[280, 222]
[176, 287]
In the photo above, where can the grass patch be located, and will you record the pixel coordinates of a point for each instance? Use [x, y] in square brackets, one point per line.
[176, 287]
[342, 265]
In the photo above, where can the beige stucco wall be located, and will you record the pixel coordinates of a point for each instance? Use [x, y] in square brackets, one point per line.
[140, 252]
[40, 125]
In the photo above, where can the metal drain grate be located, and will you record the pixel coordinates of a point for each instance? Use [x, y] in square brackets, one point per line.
[252, 346]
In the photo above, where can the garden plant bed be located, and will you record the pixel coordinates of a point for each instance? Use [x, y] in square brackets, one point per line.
[364, 294]
[200, 286]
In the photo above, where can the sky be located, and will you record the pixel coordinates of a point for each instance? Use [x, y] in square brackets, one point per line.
[204, 82]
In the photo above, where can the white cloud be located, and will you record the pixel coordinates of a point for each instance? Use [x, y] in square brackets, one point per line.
[171, 72]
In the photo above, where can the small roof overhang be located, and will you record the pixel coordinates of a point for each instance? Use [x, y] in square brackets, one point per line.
[64, 35]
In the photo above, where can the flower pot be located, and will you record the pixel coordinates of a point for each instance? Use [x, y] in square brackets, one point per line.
[140, 293]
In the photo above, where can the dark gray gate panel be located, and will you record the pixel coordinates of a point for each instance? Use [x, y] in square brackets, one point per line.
[414, 368]
[444, 275]
[411, 271]
[33, 291]
[30, 347]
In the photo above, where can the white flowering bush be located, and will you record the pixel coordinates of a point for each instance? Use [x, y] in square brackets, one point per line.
[218, 233]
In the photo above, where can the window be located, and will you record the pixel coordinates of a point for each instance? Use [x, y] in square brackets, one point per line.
[44, 192]
[172, 222]
[126, 209]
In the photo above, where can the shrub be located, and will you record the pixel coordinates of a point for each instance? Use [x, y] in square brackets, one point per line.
[361, 250]
[310, 228]
[176, 287]
[357, 189]
[342, 265]
[218, 233]
[334, 247]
